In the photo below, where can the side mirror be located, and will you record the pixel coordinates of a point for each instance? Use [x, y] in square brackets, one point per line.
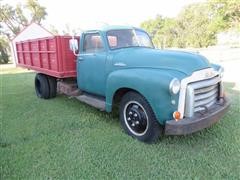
[73, 45]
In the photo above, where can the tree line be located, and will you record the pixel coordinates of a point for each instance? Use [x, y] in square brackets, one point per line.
[196, 25]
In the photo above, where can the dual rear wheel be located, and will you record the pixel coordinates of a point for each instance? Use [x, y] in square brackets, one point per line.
[45, 86]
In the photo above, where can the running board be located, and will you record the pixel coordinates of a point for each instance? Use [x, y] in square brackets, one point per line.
[97, 102]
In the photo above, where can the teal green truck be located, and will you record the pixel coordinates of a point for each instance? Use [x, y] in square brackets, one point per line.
[156, 91]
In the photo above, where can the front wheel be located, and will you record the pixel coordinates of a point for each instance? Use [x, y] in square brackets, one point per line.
[137, 118]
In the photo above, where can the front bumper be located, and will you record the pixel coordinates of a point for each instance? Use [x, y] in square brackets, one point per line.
[199, 121]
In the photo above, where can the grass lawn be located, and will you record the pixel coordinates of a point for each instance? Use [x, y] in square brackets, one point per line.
[62, 138]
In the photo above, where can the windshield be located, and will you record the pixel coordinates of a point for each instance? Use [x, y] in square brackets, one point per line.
[124, 38]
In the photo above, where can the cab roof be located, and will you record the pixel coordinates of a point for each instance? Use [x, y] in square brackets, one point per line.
[108, 28]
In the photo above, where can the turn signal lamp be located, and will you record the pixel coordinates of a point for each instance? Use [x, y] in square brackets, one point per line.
[177, 115]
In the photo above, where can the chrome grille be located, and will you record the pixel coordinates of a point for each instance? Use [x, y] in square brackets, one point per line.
[201, 95]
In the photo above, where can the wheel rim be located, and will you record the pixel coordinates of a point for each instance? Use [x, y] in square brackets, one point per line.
[136, 118]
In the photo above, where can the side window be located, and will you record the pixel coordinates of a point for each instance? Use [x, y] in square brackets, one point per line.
[92, 43]
[112, 40]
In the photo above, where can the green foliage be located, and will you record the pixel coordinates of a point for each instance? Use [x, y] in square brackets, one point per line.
[161, 29]
[196, 25]
[191, 28]
[53, 30]
[226, 14]
[13, 19]
[4, 49]
[38, 12]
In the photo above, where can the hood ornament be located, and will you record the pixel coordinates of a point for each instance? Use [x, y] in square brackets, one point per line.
[209, 74]
[120, 64]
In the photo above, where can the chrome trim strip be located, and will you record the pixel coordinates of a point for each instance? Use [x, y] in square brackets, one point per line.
[189, 102]
[206, 95]
[207, 82]
[120, 64]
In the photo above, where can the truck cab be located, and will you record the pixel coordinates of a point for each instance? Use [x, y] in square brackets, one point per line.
[97, 50]
[156, 91]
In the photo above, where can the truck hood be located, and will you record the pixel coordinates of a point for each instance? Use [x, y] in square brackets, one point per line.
[139, 57]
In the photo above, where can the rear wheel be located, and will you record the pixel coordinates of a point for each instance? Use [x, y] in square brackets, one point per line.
[138, 119]
[42, 86]
[52, 86]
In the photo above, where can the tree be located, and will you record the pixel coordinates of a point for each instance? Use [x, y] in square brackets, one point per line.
[53, 30]
[152, 26]
[4, 48]
[161, 29]
[195, 26]
[38, 12]
[226, 14]
[13, 19]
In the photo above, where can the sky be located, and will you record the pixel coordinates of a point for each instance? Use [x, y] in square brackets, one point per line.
[89, 14]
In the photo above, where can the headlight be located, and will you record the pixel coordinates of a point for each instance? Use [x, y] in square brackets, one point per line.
[174, 86]
[221, 71]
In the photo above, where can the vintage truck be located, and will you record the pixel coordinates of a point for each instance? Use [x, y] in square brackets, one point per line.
[157, 91]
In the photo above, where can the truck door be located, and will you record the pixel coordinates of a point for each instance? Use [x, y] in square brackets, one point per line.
[91, 64]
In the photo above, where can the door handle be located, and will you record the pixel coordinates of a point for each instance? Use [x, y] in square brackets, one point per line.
[80, 58]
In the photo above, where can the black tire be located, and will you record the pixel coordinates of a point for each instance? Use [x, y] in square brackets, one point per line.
[137, 118]
[52, 86]
[42, 86]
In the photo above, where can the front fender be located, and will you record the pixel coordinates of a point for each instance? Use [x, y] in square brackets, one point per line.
[153, 84]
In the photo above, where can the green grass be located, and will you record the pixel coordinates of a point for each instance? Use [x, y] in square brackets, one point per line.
[62, 138]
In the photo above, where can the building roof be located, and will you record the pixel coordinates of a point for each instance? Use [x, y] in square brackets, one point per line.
[34, 26]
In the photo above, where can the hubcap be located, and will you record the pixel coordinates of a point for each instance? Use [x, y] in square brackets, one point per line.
[136, 118]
